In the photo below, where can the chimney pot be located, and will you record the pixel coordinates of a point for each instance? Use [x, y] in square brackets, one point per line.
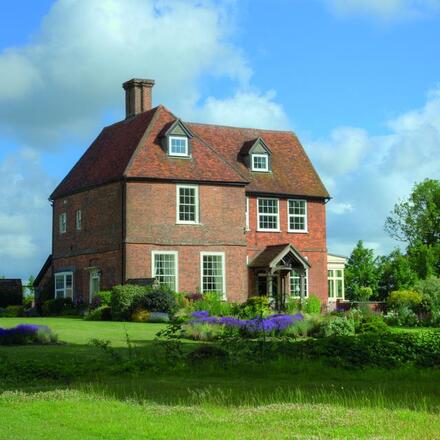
[138, 96]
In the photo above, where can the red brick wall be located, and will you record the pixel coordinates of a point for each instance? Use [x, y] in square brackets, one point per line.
[151, 225]
[98, 243]
[139, 266]
[312, 244]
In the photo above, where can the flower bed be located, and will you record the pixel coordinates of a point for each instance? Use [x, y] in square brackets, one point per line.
[27, 334]
[273, 325]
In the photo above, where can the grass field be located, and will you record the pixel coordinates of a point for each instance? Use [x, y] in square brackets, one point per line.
[310, 401]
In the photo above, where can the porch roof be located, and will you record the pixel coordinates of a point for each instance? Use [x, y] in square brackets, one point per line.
[271, 256]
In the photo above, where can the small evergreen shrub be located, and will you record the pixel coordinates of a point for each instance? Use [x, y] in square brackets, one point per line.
[101, 298]
[214, 303]
[102, 313]
[14, 312]
[57, 306]
[123, 299]
[158, 317]
[404, 298]
[402, 316]
[338, 326]
[312, 304]
[156, 300]
[255, 306]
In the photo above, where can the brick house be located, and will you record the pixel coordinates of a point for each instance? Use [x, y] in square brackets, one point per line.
[198, 207]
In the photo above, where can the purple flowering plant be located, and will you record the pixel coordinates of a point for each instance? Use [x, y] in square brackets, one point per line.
[27, 334]
[271, 325]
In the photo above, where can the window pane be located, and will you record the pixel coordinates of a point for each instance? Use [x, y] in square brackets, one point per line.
[331, 292]
[268, 214]
[212, 275]
[259, 162]
[339, 273]
[297, 215]
[295, 284]
[187, 204]
[59, 281]
[179, 146]
[339, 289]
[165, 269]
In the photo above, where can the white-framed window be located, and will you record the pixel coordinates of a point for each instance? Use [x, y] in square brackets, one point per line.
[178, 146]
[297, 215]
[268, 214]
[260, 162]
[335, 284]
[212, 272]
[78, 219]
[64, 285]
[295, 284]
[247, 214]
[165, 268]
[187, 201]
[63, 223]
[95, 283]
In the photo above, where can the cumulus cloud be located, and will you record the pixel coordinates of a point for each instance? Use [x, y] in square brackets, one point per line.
[368, 174]
[25, 233]
[384, 9]
[68, 78]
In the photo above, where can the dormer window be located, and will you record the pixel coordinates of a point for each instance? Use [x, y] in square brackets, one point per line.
[178, 146]
[260, 162]
[177, 140]
[256, 155]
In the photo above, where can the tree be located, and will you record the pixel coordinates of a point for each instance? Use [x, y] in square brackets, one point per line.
[394, 273]
[360, 272]
[416, 222]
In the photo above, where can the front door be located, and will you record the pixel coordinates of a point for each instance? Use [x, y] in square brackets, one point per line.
[263, 285]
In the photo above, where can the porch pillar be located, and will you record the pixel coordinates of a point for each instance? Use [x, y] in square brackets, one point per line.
[269, 285]
[302, 285]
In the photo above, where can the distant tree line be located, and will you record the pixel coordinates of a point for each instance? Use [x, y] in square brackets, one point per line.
[414, 222]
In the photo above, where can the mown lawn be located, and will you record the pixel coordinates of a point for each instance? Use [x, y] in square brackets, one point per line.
[311, 401]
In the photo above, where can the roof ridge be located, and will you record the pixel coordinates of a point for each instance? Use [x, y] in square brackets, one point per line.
[241, 128]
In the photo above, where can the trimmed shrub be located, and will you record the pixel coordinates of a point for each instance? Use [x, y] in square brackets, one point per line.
[156, 300]
[11, 297]
[102, 313]
[57, 306]
[14, 312]
[255, 306]
[101, 298]
[337, 326]
[312, 304]
[371, 322]
[123, 299]
[404, 298]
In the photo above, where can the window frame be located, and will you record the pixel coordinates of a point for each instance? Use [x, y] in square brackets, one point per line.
[259, 229]
[223, 260]
[176, 267]
[306, 293]
[304, 216]
[78, 219]
[64, 289]
[196, 221]
[94, 274]
[62, 225]
[247, 227]
[260, 155]
[170, 145]
[333, 282]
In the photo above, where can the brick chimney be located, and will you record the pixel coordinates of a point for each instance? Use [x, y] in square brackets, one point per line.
[138, 96]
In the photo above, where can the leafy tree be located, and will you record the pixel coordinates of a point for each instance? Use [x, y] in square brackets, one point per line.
[416, 221]
[394, 273]
[360, 272]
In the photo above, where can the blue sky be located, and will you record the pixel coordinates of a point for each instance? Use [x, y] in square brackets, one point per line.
[357, 80]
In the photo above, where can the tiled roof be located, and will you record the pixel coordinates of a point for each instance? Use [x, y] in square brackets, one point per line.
[132, 149]
[292, 172]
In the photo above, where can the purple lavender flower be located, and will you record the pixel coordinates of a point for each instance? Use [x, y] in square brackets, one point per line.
[200, 314]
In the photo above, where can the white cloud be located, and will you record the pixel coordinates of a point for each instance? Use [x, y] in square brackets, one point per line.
[385, 9]
[25, 234]
[246, 109]
[371, 173]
